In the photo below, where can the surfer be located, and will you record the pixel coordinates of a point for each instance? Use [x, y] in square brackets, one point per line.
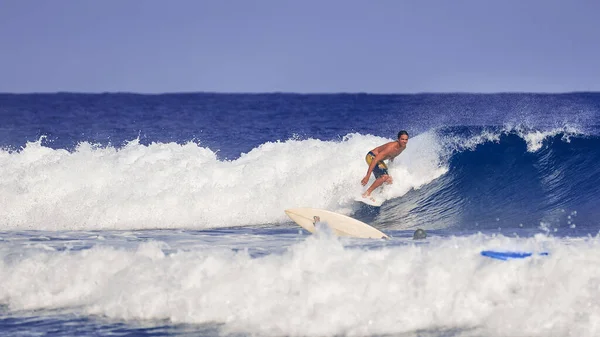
[375, 159]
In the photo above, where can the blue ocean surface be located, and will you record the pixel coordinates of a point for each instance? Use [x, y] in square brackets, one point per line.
[163, 215]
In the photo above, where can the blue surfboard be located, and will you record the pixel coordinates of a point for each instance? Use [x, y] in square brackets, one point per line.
[508, 255]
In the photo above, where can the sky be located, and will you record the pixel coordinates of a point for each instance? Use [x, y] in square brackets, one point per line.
[308, 46]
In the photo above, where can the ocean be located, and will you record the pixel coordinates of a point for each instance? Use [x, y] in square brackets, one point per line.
[163, 215]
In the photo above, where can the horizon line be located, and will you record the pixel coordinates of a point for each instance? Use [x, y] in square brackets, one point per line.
[296, 93]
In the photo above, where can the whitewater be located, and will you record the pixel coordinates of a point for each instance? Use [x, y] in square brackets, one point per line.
[186, 186]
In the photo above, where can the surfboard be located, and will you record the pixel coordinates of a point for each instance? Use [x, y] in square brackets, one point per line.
[506, 255]
[340, 224]
[367, 201]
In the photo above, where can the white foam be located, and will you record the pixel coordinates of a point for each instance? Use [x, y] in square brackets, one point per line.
[535, 138]
[460, 143]
[171, 185]
[319, 287]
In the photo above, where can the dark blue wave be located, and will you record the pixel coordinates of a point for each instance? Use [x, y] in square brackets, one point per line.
[503, 185]
[236, 123]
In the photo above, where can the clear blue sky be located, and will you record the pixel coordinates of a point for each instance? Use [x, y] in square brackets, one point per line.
[379, 46]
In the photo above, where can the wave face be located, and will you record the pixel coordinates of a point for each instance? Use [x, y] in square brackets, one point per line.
[510, 180]
[123, 161]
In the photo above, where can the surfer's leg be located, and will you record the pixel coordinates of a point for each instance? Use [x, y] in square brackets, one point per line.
[380, 180]
[381, 176]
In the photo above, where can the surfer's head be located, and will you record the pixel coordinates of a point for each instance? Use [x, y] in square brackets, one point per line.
[403, 138]
[419, 234]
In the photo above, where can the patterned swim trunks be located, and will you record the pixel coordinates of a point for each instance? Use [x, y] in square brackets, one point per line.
[380, 169]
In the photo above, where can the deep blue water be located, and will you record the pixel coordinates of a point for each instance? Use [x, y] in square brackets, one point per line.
[93, 179]
[237, 123]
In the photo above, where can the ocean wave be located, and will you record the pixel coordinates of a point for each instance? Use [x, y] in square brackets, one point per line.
[392, 289]
[167, 185]
[508, 178]
[467, 177]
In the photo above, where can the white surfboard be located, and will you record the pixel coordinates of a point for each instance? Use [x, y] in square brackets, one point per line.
[368, 201]
[340, 224]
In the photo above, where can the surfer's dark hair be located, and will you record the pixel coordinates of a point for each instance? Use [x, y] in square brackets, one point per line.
[403, 133]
